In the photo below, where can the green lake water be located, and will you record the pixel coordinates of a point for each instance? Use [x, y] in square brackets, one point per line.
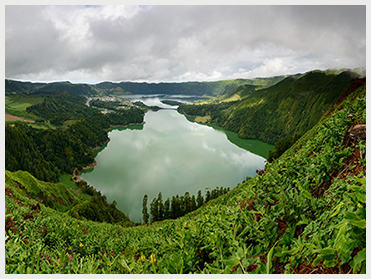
[171, 155]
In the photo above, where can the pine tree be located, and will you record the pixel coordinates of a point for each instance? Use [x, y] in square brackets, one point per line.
[173, 208]
[167, 209]
[193, 203]
[145, 210]
[200, 199]
[160, 207]
[187, 203]
[182, 207]
[208, 196]
[154, 210]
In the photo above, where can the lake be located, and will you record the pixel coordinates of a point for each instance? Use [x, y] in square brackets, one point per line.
[171, 155]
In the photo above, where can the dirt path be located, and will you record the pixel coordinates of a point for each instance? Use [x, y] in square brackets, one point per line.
[10, 117]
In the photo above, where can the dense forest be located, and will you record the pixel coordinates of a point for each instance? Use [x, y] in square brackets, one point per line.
[177, 206]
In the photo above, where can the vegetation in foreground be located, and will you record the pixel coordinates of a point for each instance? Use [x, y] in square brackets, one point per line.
[305, 213]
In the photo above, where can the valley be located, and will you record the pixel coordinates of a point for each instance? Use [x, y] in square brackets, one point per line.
[304, 211]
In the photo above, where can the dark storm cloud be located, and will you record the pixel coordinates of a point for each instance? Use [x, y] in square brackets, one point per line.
[175, 43]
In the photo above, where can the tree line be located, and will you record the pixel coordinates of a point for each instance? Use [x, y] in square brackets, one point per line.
[177, 206]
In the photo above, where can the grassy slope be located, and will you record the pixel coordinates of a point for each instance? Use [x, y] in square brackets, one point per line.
[304, 214]
[16, 105]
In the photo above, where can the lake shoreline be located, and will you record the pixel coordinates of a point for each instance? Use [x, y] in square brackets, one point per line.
[232, 136]
[76, 174]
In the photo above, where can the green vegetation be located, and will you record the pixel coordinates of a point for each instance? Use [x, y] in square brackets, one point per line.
[305, 213]
[110, 105]
[17, 104]
[89, 205]
[146, 108]
[53, 195]
[281, 146]
[171, 102]
[293, 105]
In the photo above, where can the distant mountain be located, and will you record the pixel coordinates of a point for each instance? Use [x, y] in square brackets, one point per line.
[13, 86]
[212, 89]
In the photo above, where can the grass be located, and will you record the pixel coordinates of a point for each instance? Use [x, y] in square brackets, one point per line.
[67, 181]
[20, 102]
[202, 119]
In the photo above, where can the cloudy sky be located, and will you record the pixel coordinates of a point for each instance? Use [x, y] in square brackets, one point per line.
[179, 43]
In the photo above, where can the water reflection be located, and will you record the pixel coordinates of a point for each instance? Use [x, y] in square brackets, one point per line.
[169, 155]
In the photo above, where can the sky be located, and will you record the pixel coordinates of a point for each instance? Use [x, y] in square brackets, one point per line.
[165, 43]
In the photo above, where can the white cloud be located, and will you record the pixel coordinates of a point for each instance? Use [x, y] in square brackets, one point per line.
[192, 75]
[179, 43]
[269, 68]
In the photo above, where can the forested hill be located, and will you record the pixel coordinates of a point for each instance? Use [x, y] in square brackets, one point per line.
[293, 105]
[304, 214]
[74, 130]
[214, 88]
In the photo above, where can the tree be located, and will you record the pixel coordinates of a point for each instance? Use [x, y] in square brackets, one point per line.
[160, 207]
[182, 208]
[167, 209]
[145, 210]
[187, 203]
[200, 199]
[208, 196]
[154, 210]
[193, 203]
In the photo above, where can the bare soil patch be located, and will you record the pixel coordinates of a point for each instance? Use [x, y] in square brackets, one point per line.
[9, 117]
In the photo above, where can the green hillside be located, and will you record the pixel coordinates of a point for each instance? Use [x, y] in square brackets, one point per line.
[305, 213]
[293, 105]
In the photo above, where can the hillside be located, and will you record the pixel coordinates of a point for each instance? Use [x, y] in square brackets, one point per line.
[293, 105]
[305, 213]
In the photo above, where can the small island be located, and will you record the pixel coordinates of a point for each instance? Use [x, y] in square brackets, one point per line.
[171, 102]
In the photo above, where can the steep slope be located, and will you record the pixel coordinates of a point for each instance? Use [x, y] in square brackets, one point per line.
[293, 105]
[305, 213]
